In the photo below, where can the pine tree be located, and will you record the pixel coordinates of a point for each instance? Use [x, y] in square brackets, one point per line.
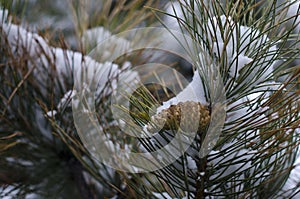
[58, 106]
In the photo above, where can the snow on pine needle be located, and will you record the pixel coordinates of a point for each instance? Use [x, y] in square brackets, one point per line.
[261, 131]
[68, 64]
[44, 74]
[254, 155]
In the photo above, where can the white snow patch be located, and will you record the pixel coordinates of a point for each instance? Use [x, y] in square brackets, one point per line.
[191, 163]
[194, 91]
[236, 51]
[65, 101]
[105, 45]
[238, 64]
[99, 77]
[165, 195]
[51, 113]
[3, 15]
[293, 11]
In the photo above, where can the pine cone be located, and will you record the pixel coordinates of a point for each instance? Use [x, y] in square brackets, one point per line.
[183, 116]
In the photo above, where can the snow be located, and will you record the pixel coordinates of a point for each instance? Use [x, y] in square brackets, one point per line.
[239, 53]
[98, 77]
[173, 9]
[165, 195]
[237, 60]
[240, 109]
[244, 156]
[177, 10]
[101, 78]
[104, 43]
[8, 192]
[293, 11]
[113, 147]
[191, 164]
[3, 15]
[238, 65]
[293, 181]
[22, 41]
[239, 57]
[95, 35]
[194, 91]
[51, 113]
[66, 99]
[67, 62]
[24, 163]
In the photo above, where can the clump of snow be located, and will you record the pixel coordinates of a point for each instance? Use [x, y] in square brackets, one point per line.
[238, 59]
[240, 43]
[3, 15]
[90, 180]
[66, 99]
[8, 192]
[109, 45]
[22, 41]
[194, 91]
[100, 77]
[241, 58]
[191, 163]
[165, 195]
[292, 184]
[51, 113]
[238, 64]
[176, 11]
[94, 36]
[293, 13]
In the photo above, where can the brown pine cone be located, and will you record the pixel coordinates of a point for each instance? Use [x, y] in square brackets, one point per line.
[182, 115]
